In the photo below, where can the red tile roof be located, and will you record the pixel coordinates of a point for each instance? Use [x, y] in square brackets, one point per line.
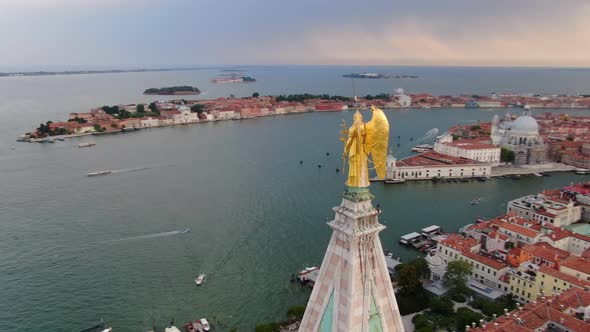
[563, 276]
[432, 158]
[459, 242]
[546, 251]
[536, 315]
[471, 144]
[577, 263]
[519, 229]
[497, 265]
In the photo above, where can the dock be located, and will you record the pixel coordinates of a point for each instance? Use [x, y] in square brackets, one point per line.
[425, 240]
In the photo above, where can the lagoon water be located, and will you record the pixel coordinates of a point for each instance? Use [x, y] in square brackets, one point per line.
[75, 249]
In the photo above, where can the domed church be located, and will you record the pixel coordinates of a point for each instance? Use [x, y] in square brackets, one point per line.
[521, 136]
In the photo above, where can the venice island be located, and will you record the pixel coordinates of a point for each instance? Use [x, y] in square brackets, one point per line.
[513, 145]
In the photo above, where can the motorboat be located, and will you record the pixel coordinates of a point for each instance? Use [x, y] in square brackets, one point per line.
[200, 279]
[205, 324]
[184, 231]
[188, 327]
[99, 173]
[85, 145]
[476, 201]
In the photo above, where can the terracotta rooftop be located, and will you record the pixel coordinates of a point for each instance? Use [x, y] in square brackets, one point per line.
[536, 315]
[528, 232]
[546, 251]
[432, 158]
[497, 265]
[577, 263]
[459, 242]
[471, 144]
[564, 276]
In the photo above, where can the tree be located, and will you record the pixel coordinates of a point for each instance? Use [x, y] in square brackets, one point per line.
[408, 280]
[456, 277]
[421, 266]
[197, 108]
[475, 127]
[97, 127]
[255, 95]
[506, 155]
[570, 138]
[153, 108]
[466, 316]
[140, 108]
[441, 305]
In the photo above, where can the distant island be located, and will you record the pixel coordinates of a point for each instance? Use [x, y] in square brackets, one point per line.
[376, 76]
[82, 72]
[233, 79]
[173, 90]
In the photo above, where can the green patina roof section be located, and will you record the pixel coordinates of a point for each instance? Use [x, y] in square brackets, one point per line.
[583, 229]
[326, 323]
[374, 318]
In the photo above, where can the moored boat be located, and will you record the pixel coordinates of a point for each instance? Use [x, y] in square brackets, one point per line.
[85, 145]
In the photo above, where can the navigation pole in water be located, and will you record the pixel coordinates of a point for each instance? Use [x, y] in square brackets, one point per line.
[353, 291]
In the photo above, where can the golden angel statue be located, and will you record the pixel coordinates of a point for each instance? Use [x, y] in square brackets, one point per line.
[366, 139]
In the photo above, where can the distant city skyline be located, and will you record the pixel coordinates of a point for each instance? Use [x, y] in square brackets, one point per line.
[143, 33]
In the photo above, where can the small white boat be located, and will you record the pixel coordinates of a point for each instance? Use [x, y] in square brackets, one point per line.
[205, 324]
[99, 173]
[476, 201]
[85, 145]
[200, 279]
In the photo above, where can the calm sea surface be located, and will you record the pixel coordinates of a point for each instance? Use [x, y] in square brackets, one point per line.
[75, 249]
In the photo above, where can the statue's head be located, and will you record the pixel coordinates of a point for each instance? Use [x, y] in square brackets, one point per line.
[357, 117]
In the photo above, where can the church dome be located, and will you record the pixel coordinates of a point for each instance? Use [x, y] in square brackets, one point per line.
[525, 123]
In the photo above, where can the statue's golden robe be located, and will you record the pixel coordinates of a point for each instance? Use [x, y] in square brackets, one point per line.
[364, 139]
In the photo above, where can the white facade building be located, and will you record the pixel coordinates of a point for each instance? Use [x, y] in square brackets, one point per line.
[432, 164]
[470, 149]
[403, 99]
[521, 136]
[185, 116]
[546, 209]
[149, 122]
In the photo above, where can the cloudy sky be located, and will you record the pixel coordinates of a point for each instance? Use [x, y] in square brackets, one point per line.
[338, 32]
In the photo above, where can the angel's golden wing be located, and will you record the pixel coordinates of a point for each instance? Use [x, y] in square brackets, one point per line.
[376, 140]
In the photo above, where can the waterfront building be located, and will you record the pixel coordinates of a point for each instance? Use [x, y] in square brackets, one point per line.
[130, 123]
[148, 121]
[432, 164]
[499, 235]
[566, 311]
[402, 99]
[84, 128]
[184, 116]
[468, 148]
[522, 137]
[557, 210]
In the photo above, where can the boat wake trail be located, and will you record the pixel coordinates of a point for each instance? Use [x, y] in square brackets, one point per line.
[429, 134]
[150, 236]
[130, 169]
